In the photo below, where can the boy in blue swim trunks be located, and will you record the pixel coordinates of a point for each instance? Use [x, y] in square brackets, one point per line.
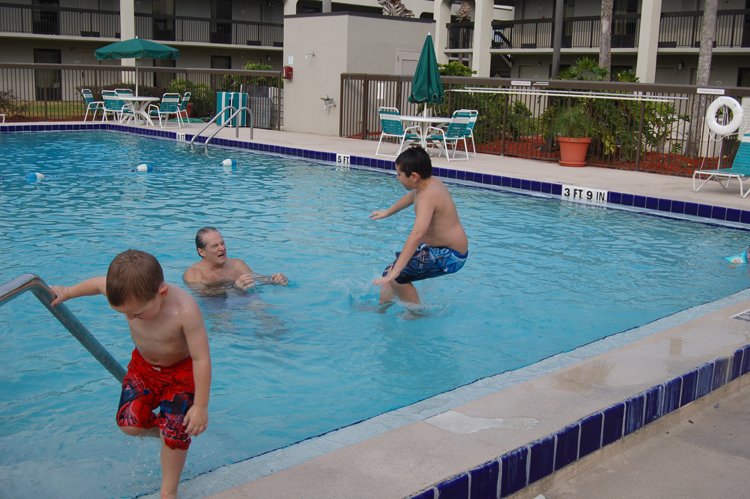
[437, 244]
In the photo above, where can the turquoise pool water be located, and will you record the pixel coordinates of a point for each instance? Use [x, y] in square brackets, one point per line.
[290, 363]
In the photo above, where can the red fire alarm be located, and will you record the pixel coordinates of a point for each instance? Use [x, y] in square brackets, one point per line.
[286, 72]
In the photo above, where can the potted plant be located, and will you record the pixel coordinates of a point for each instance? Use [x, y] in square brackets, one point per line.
[573, 127]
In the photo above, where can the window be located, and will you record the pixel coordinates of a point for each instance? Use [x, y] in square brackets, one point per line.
[743, 77]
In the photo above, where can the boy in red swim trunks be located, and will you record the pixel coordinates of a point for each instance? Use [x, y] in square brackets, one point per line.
[437, 244]
[171, 364]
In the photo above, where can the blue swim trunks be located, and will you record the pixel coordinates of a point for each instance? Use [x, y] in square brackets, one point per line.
[427, 262]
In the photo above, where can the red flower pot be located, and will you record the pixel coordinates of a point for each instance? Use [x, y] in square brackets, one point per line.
[573, 151]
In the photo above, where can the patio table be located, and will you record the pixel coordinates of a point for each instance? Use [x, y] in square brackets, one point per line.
[424, 123]
[139, 106]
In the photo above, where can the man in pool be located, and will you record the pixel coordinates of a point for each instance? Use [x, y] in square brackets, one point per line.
[437, 244]
[171, 365]
[216, 272]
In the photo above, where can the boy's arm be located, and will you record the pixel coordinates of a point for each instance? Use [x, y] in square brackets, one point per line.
[422, 222]
[89, 287]
[196, 419]
[406, 201]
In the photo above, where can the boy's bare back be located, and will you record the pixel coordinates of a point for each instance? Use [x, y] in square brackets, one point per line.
[445, 229]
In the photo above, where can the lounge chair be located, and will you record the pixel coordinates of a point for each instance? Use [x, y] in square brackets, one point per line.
[473, 115]
[390, 121]
[113, 105]
[453, 134]
[740, 170]
[170, 104]
[183, 108]
[91, 104]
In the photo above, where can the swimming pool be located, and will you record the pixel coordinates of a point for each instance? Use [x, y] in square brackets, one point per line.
[543, 277]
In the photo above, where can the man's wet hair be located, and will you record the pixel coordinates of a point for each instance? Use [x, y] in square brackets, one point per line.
[415, 160]
[200, 243]
[134, 276]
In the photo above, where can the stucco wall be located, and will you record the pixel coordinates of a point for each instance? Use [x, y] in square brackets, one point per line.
[342, 43]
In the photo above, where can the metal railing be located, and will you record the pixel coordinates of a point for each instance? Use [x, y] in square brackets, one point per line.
[676, 30]
[208, 30]
[225, 123]
[97, 23]
[30, 282]
[683, 29]
[51, 92]
[54, 20]
[655, 137]
[578, 32]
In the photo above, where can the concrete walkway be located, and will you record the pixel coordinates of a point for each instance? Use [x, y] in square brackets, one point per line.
[630, 182]
[701, 451]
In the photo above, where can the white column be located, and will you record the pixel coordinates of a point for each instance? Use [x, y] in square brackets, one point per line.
[127, 19]
[484, 11]
[290, 7]
[127, 32]
[442, 16]
[648, 41]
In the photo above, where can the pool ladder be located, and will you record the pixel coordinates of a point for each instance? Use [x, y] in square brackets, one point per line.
[213, 120]
[35, 284]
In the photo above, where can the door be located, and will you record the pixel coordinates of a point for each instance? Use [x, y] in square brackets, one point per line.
[47, 82]
[46, 17]
[163, 26]
[624, 29]
[746, 26]
[221, 32]
[568, 12]
[219, 62]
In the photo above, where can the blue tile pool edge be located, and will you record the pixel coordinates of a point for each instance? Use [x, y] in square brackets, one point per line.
[645, 203]
[509, 473]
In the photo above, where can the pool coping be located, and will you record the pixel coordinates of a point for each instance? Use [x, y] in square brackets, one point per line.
[510, 471]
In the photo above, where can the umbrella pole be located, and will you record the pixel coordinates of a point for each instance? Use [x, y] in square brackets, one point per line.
[136, 78]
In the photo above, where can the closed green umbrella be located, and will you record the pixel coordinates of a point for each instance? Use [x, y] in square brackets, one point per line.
[427, 87]
[136, 48]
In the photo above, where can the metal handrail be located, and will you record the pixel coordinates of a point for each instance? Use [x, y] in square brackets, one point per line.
[30, 282]
[237, 132]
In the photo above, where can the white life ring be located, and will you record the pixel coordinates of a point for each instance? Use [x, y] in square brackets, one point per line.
[737, 113]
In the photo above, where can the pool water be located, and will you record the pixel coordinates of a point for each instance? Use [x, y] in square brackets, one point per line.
[542, 277]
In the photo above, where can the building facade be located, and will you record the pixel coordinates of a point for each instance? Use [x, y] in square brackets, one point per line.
[657, 39]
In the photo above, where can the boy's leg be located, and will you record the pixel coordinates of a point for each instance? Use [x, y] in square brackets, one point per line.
[405, 292]
[172, 462]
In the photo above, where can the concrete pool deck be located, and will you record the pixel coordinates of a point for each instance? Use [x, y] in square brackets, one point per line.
[495, 436]
[429, 453]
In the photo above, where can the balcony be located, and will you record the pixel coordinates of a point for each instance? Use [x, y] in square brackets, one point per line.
[683, 29]
[578, 32]
[676, 30]
[52, 20]
[202, 30]
[87, 23]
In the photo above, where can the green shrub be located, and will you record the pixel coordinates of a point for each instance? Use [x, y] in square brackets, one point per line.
[201, 95]
[573, 122]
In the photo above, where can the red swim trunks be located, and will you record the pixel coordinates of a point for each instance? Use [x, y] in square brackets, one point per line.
[146, 387]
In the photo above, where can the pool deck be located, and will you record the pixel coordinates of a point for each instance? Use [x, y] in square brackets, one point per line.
[655, 412]
[416, 457]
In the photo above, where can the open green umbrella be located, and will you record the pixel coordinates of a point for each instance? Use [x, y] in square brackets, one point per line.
[427, 87]
[136, 48]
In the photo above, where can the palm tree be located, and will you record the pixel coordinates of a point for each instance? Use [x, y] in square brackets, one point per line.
[704, 69]
[605, 45]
